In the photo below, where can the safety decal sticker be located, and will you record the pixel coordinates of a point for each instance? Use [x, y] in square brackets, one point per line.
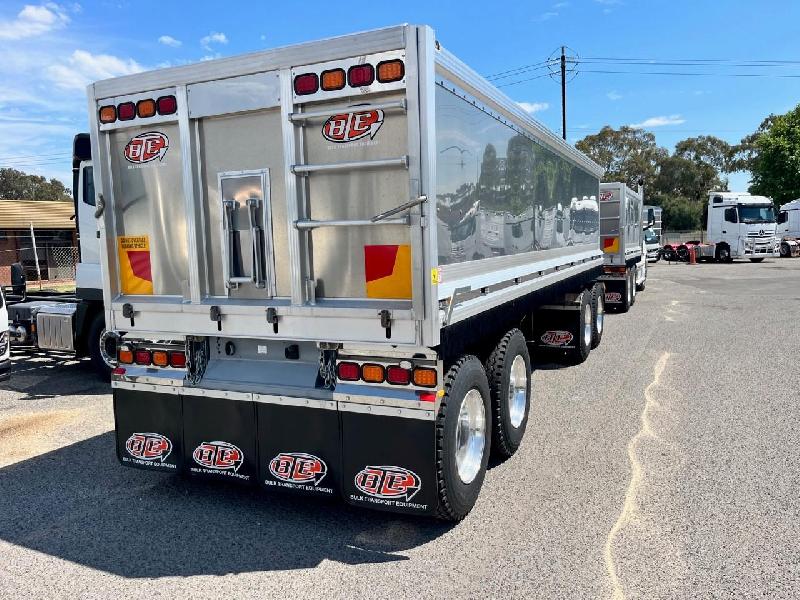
[146, 147]
[135, 272]
[387, 270]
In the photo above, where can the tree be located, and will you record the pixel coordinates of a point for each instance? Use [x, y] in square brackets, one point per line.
[707, 149]
[682, 177]
[776, 162]
[626, 154]
[681, 214]
[16, 185]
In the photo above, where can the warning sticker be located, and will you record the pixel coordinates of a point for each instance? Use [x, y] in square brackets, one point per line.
[135, 274]
[388, 271]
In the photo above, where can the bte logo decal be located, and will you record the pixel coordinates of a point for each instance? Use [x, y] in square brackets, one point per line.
[149, 446]
[298, 467]
[349, 127]
[613, 297]
[146, 147]
[556, 338]
[218, 455]
[388, 482]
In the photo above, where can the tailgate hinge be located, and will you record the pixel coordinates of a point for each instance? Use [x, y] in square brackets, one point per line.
[272, 317]
[127, 312]
[215, 315]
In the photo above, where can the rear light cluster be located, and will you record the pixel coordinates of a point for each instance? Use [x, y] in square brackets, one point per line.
[144, 109]
[144, 357]
[393, 374]
[356, 76]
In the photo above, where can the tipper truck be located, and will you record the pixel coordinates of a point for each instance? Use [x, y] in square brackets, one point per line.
[315, 297]
[624, 249]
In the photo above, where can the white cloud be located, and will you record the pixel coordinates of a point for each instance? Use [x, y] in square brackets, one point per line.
[533, 107]
[660, 121]
[168, 40]
[32, 21]
[82, 68]
[213, 38]
[547, 16]
[614, 95]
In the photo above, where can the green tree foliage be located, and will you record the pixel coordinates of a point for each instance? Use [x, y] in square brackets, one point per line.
[680, 177]
[627, 154]
[709, 150]
[16, 185]
[775, 163]
[681, 214]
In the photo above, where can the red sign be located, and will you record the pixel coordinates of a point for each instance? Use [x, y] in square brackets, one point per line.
[218, 455]
[146, 147]
[149, 446]
[297, 467]
[556, 338]
[388, 482]
[349, 127]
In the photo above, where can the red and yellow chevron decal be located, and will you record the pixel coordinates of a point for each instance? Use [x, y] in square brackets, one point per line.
[388, 271]
[611, 245]
[135, 274]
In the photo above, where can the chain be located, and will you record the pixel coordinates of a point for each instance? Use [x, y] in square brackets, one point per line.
[196, 360]
[327, 368]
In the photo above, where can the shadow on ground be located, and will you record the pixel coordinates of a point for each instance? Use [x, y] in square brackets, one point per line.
[79, 504]
[38, 375]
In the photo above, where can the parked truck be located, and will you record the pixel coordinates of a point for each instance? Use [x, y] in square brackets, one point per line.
[788, 229]
[5, 347]
[738, 225]
[312, 299]
[622, 241]
[651, 224]
[72, 322]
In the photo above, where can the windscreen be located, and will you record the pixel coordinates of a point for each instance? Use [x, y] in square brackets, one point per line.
[749, 213]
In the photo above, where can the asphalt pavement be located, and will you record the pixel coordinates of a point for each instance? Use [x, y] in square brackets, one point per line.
[666, 466]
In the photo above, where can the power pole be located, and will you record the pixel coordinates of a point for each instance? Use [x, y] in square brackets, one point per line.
[564, 92]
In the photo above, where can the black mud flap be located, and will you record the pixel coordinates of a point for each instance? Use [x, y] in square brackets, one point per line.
[299, 449]
[220, 439]
[149, 430]
[615, 291]
[556, 329]
[389, 462]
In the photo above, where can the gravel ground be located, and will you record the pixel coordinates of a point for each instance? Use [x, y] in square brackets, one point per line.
[666, 466]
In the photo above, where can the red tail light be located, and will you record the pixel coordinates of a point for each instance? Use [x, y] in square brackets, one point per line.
[143, 357]
[427, 396]
[398, 375]
[348, 371]
[305, 84]
[167, 105]
[361, 75]
[177, 359]
[126, 111]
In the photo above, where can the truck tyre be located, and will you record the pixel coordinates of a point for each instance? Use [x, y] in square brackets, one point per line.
[583, 344]
[509, 373]
[99, 350]
[723, 253]
[757, 260]
[462, 438]
[785, 250]
[598, 313]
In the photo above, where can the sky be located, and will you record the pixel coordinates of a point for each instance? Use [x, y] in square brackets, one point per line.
[50, 51]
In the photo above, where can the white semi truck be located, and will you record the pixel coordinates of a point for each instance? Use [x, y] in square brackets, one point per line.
[304, 307]
[5, 346]
[739, 225]
[651, 224]
[622, 241]
[788, 231]
[72, 323]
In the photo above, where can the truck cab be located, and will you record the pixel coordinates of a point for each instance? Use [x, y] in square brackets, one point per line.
[741, 225]
[5, 346]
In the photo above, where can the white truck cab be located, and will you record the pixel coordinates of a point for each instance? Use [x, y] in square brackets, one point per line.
[5, 347]
[741, 225]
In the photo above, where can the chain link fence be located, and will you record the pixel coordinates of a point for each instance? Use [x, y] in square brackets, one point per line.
[50, 267]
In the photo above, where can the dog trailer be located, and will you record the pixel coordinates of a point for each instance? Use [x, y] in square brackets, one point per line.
[327, 261]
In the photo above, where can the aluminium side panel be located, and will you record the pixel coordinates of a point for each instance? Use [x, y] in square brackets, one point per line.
[511, 198]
